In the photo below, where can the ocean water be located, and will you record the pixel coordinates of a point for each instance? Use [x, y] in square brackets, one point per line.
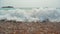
[30, 14]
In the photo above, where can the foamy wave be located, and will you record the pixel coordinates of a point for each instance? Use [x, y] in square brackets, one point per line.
[34, 14]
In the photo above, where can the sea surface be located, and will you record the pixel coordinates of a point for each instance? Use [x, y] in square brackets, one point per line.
[30, 14]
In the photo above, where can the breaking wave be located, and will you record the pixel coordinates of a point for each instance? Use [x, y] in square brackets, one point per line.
[30, 14]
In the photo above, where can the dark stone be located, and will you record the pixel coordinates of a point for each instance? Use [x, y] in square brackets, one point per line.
[47, 20]
[8, 7]
[2, 20]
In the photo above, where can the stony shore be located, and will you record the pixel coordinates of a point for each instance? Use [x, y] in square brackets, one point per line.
[15, 27]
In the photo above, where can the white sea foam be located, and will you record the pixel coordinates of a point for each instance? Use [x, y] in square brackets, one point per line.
[33, 14]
